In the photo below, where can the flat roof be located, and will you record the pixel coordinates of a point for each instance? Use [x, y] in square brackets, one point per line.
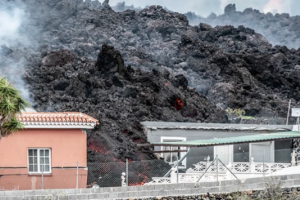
[233, 140]
[214, 126]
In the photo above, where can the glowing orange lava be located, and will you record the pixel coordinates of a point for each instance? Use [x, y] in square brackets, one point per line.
[138, 140]
[178, 105]
[97, 149]
[139, 176]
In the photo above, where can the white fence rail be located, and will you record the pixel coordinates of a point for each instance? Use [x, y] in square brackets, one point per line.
[192, 175]
[240, 167]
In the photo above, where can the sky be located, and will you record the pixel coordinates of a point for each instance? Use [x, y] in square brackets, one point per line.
[205, 7]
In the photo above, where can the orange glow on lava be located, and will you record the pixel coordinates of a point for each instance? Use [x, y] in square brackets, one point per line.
[138, 140]
[97, 149]
[139, 176]
[178, 104]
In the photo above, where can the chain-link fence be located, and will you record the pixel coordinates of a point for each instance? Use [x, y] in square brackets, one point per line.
[109, 174]
[105, 174]
[280, 156]
[146, 171]
[137, 172]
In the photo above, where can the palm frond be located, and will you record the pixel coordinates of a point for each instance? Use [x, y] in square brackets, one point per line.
[7, 107]
[10, 105]
[12, 126]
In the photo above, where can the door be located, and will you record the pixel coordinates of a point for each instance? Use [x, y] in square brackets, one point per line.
[262, 152]
[224, 153]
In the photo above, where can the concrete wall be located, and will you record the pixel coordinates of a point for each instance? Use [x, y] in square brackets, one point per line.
[68, 146]
[287, 181]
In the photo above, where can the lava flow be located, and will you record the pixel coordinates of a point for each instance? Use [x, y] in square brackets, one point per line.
[178, 104]
[97, 148]
[141, 180]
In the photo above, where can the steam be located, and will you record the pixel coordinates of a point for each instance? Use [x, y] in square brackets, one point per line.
[10, 21]
[224, 3]
[278, 6]
[12, 38]
[206, 7]
[272, 6]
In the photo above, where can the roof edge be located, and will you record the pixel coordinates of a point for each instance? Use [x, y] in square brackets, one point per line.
[59, 126]
[213, 126]
[38, 118]
[232, 140]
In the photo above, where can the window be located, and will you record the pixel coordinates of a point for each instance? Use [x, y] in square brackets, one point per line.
[39, 161]
[172, 157]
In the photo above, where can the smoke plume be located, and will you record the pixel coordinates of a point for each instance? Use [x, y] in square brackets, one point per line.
[10, 21]
[278, 6]
[13, 37]
[206, 7]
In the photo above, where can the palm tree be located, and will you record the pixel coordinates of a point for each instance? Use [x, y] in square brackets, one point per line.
[11, 104]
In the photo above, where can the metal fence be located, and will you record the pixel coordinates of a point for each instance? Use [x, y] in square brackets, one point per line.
[136, 172]
[145, 171]
[109, 174]
[280, 156]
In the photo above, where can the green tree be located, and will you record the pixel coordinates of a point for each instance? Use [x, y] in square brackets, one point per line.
[11, 104]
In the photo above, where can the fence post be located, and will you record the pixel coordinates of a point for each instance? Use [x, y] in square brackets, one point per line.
[288, 113]
[264, 165]
[252, 165]
[127, 172]
[217, 164]
[42, 181]
[207, 161]
[173, 175]
[77, 175]
[177, 169]
[293, 158]
[123, 184]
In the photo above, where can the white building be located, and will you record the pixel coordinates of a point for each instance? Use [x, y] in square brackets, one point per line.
[247, 150]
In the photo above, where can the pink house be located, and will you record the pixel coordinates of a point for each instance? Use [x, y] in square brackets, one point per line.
[49, 148]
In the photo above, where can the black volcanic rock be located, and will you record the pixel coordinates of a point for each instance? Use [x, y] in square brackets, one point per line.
[110, 61]
[150, 60]
[205, 27]
[229, 9]
[118, 100]
[105, 5]
[279, 29]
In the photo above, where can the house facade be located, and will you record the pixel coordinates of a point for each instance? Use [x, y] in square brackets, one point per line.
[50, 153]
[278, 151]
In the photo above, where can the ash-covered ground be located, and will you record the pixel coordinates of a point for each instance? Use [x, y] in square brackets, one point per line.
[127, 67]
